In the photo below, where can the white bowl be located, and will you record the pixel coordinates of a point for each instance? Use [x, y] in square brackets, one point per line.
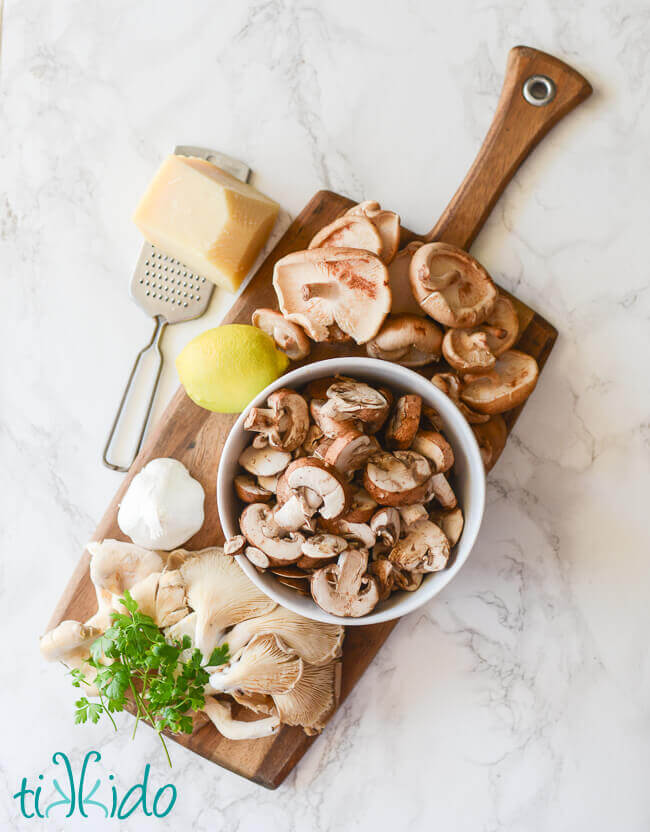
[469, 479]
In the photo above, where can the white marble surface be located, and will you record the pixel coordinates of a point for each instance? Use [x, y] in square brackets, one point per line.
[520, 699]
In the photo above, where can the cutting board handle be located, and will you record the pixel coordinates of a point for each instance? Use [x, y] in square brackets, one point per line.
[537, 92]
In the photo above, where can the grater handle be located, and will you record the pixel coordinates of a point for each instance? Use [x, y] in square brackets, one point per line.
[154, 342]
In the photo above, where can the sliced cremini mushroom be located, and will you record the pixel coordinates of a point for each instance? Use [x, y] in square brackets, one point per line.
[491, 437]
[387, 224]
[344, 588]
[349, 231]
[333, 286]
[507, 385]
[359, 533]
[350, 451]
[283, 423]
[442, 491]
[269, 483]
[313, 698]
[257, 557]
[383, 572]
[424, 549]
[313, 641]
[450, 521]
[408, 581]
[386, 524]
[397, 479]
[289, 337]
[321, 548]
[350, 399]
[409, 340]
[330, 427]
[451, 385]
[451, 286]
[264, 462]
[411, 514]
[362, 506]
[250, 491]
[435, 447]
[400, 285]
[313, 477]
[430, 416]
[313, 438]
[261, 531]
[220, 714]
[403, 425]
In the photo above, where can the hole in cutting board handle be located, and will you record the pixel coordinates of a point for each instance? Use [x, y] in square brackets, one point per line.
[538, 90]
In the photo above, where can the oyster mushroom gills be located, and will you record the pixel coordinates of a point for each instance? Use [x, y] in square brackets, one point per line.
[364, 507]
[282, 668]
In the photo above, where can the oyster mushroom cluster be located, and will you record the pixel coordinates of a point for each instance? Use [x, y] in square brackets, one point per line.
[284, 668]
[415, 306]
[347, 494]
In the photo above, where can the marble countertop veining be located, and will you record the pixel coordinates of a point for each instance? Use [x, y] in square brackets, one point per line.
[517, 701]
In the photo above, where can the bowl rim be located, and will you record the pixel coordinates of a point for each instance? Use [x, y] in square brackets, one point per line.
[449, 412]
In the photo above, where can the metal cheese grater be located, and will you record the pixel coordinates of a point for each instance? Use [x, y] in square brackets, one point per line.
[169, 292]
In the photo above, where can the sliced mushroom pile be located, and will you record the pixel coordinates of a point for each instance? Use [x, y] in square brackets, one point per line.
[283, 668]
[415, 306]
[361, 508]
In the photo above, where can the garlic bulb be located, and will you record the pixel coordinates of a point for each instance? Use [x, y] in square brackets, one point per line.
[163, 506]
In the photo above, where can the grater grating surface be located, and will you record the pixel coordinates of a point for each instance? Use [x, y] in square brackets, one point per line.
[170, 292]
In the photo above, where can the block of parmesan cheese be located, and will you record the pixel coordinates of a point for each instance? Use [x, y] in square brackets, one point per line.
[206, 218]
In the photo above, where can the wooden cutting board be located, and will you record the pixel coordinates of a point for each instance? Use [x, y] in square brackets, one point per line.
[196, 436]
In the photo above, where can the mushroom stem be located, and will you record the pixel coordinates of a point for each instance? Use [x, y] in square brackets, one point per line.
[220, 715]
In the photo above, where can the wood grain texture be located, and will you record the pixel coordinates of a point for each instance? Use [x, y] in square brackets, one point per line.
[196, 437]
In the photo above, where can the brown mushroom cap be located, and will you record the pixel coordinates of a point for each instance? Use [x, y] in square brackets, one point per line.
[501, 326]
[491, 437]
[435, 447]
[451, 521]
[424, 549]
[349, 231]
[383, 571]
[467, 350]
[321, 479]
[344, 588]
[398, 479]
[409, 340]
[404, 423]
[408, 581]
[350, 399]
[249, 491]
[350, 452]
[259, 529]
[450, 384]
[344, 286]
[400, 285]
[387, 224]
[451, 286]
[283, 422]
[289, 337]
[507, 385]
[321, 548]
[362, 506]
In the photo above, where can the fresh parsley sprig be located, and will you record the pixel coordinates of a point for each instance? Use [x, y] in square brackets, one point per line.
[133, 658]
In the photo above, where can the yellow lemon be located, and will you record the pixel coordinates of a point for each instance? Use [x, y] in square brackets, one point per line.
[224, 368]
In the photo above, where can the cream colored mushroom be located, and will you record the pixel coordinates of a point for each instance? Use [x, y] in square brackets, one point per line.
[359, 533]
[386, 524]
[410, 515]
[161, 596]
[312, 699]
[220, 594]
[451, 385]
[507, 385]
[450, 521]
[424, 549]
[349, 399]
[310, 476]
[398, 479]
[320, 549]
[250, 491]
[330, 427]
[333, 286]
[387, 224]
[442, 491]
[383, 572]
[409, 340]
[234, 545]
[400, 285]
[283, 423]
[344, 588]
[403, 425]
[451, 286]
[265, 462]
[491, 437]
[349, 231]
[262, 532]
[257, 557]
[263, 665]
[362, 506]
[314, 641]
[220, 714]
[67, 639]
[289, 337]
[405, 580]
[435, 448]
[350, 451]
